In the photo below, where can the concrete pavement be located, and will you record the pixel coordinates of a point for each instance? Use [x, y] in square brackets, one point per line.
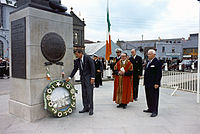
[179, 114]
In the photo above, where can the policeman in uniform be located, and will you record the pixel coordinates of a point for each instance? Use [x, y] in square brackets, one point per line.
[2, 68]
[7, 68]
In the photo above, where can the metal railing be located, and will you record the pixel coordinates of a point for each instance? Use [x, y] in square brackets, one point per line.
[186, 81]
[182, 80]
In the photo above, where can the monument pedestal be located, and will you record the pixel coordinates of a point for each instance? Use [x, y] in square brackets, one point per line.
[28, 27]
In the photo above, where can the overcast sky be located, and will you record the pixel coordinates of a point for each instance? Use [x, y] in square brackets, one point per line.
[130, 19]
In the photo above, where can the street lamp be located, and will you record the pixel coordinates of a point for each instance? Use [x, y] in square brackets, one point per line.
[198, 73]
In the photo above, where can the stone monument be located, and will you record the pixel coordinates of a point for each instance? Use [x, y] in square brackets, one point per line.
[41, 34]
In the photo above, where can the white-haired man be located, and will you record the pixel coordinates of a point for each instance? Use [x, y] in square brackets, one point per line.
[152, 78]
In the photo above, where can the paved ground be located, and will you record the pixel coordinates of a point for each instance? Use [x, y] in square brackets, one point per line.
[179, 114]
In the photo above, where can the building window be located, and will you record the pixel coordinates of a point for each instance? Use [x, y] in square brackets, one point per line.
[163, 49]
[173, 50]
[75, 38]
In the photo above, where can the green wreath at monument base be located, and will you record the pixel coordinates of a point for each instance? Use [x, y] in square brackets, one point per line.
[59, 98]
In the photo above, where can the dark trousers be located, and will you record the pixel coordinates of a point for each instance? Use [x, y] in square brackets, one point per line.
[97, 79]
[1, 72]
[135, 86]
[7, 72]
[152, 98]
[100, 81]
[87, 94]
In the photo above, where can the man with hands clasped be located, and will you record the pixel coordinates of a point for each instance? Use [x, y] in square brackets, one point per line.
[123, 83]
[152, 78]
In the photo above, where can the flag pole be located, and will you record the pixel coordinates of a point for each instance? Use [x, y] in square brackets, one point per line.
[108, 38]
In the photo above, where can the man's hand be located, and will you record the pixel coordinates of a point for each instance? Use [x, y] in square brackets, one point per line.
[98, 71]
[156, 86]
[92, 81]
[121, 73]
[67, 80]
[139, 77]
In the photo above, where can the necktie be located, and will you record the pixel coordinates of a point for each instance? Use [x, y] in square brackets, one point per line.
[81, 64]
[148, 63]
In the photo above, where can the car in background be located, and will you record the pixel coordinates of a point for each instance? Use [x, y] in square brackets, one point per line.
[186, 64]
[173, 65]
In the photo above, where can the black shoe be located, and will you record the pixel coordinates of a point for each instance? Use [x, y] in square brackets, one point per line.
[120, 105]
[153, 115]
[91, 112]
[83, 111]
[147, 111]
[124, 106]
[135, 99]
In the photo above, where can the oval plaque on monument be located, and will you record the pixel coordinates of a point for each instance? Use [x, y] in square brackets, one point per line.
[53, 47]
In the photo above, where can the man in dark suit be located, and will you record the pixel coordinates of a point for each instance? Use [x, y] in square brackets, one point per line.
[2, 68]
[137, 72]
[101, 69]
[152, 78]
[87, 72]
[97, 71]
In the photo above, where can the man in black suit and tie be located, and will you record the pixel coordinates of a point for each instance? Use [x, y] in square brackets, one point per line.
[87, 72]
[97, 71]
[152, 78]
[137, 72]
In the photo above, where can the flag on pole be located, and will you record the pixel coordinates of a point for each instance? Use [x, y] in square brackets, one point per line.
[108, 39]
[48, 76]
[63, 73]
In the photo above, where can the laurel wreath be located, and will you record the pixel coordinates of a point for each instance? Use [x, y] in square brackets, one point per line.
[48, 104]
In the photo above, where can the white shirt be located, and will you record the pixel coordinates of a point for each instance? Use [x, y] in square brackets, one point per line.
[81, 65]
[123, 62]
[82, 58]
[150, 62]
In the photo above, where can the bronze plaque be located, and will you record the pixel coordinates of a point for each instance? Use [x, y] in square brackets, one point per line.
[18, 48]
[53, 47]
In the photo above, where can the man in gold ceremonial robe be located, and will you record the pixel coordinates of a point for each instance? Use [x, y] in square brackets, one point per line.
[123, 82]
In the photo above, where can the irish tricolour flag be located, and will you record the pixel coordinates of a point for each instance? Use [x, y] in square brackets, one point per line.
[108, 39]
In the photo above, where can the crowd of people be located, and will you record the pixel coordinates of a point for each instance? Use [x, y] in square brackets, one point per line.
[179, 64]
[4, 68]
[127, 72]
